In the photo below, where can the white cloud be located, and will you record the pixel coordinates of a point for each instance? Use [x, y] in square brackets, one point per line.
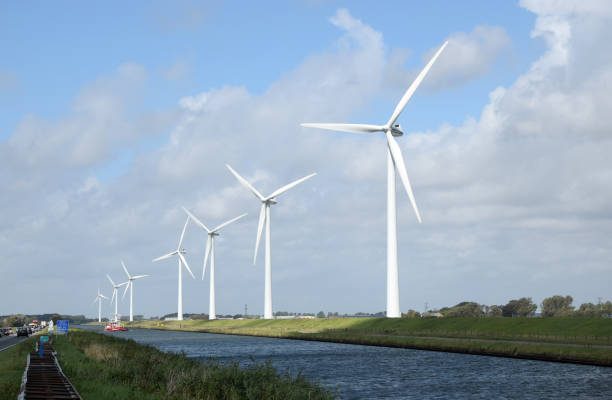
[467, 57]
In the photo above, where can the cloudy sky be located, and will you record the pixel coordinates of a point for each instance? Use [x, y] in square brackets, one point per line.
[115, 115]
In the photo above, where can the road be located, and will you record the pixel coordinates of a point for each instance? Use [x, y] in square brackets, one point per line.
[8, 341]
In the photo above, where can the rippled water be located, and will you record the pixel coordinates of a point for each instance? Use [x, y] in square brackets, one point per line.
[366, 372]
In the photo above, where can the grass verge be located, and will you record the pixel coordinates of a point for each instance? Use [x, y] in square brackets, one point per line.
[105, 367]
[12, 365]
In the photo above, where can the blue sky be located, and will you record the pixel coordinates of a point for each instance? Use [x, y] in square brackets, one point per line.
[114, 115]
[54, 49]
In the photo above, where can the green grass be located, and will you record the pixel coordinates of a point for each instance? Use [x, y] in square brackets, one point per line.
[105, 367]
[12, 365]
[554, 330]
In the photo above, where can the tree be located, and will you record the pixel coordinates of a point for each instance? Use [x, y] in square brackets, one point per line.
[17, 320]
[522, 307]
[557, 306]
[321, 314]
[463, 309]
[495, 311]
[588, 310]
[606, 309]
[411, 314]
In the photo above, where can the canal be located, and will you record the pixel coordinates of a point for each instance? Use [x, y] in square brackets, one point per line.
[366, 372]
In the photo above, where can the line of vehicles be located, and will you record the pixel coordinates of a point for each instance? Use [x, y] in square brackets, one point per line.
[19, 331]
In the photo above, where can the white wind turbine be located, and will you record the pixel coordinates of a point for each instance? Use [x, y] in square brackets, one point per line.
[179, 252]
[395, 162]
[99, 298]
[130, 286]
[210, 250]
[264, 216]
[115, 295]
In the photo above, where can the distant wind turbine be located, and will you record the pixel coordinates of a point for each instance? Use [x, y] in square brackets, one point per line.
[210, 250]
[130, 286]
[179, 252]
[115, 295]
[99, 298]
[264, 216]
[395, 162]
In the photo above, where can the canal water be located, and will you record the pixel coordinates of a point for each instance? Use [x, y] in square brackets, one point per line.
[367, 372]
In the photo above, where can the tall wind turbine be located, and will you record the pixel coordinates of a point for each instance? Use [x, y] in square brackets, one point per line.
[210, 250]
[179, 252]
[130, 286]
[395, 162]
[99, 298]
[115, 295]
[264, 216]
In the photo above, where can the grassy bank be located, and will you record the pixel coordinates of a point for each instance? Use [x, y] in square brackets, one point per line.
[12, 365]
[101, 367]
[551, 335]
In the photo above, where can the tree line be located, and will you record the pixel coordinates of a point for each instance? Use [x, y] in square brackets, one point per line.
[554, 306]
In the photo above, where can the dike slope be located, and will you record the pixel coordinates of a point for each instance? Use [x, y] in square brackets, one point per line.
[573, 340]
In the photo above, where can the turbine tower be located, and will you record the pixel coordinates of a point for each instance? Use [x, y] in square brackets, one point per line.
[179, 252]
[130, 286]
[395, 162]
[264, 216]
[210, 250]
[99, 298]
[115, 295]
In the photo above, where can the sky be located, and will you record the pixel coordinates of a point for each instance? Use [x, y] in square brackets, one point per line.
[114, 115]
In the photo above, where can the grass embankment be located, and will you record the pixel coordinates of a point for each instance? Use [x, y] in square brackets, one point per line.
[464, 335]
[12, 365]
[104, 367]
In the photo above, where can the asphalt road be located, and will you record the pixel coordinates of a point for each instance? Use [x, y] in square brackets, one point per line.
[8, 341]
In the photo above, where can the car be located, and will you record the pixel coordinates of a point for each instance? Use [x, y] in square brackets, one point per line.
[22, 332]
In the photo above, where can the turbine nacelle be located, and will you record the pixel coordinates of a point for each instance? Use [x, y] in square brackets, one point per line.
[396, 130]
[270, 201]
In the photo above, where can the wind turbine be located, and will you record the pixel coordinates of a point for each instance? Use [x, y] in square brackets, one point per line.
[130, 286]
[115, 295]
[179, 252]
[395, 162]
[210, 250]
[264, 216]
[99, 298]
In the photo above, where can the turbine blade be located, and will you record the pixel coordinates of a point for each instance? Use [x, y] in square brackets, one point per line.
[165, 256]
[223, 225]
[186, 265]
[245, 183]
[96, 299]
[260, 224]
[101, 295]
[400, 167]
[289, 186]
[125, 291]
[114, 295]
[206, 253]
[197, 221]
[139, 276]
[125, 269]
[402, 103]
[182, 234]
[353, 128]
[109, 278]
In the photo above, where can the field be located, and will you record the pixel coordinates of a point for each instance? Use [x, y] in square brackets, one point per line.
[577, 340]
